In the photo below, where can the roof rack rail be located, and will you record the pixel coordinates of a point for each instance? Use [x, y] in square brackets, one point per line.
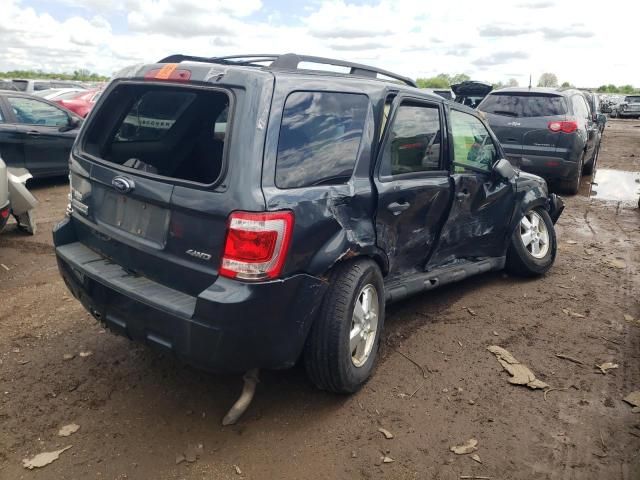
[290, 61]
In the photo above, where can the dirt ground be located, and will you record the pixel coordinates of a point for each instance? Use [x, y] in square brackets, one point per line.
[140, 413]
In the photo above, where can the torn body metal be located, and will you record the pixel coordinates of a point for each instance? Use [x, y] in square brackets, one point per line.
[15, 198]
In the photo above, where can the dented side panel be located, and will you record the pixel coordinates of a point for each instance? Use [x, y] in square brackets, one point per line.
[478, 222]
[332, 222]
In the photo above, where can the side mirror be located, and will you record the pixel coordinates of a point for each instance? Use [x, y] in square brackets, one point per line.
[504, 168]
[602, 119]
[73, 123]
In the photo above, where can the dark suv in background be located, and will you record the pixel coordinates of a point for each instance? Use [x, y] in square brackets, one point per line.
[242, 212]
[551, 133]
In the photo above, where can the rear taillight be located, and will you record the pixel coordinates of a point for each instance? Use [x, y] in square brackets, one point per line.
[4, 213]
[256, 245]
[169, 72]
[568, 126]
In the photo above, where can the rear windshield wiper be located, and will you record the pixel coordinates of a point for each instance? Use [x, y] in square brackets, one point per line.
[506, 113]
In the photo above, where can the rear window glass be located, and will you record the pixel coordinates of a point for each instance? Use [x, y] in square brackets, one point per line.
[21, 85]
[524, 105]
[175, 132]
[319, 138]
[632, 99]
[153, 115]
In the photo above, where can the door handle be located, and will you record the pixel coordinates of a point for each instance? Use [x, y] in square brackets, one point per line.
[34, 133]
[397, 208]
[463, 194]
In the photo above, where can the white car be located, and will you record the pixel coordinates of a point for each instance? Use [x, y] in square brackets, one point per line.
[15, 199]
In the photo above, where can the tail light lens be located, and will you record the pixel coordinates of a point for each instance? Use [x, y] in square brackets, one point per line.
[4, 213]
[568, 126]
[256, 245]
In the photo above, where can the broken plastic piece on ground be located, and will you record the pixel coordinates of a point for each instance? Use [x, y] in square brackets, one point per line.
[475, 457]
[241, 405]
[607, 366]
[43, 459]
[387, 434]
[470, 446]
[633, 399]
[68, 430]
[520, 374]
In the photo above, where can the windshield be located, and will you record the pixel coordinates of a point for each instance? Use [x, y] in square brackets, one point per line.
[523, 105]
[632, 99]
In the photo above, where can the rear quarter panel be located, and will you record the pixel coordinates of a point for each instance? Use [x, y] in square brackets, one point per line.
[336, 222]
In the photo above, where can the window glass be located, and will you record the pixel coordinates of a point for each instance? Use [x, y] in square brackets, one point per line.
[152, 116]
[21, 85]
[39, 86]
[414, 141]
[1, 117]
[472, 144]
[580, 106]
[29, 111]
[523, 105]
[319, 138]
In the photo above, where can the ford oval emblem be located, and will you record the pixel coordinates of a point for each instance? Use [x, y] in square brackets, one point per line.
[123, 184]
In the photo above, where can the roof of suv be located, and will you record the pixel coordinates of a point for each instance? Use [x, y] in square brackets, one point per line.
[291, 62]
[535, 90]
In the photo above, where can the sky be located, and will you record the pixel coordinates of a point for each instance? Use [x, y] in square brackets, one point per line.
[582, 42]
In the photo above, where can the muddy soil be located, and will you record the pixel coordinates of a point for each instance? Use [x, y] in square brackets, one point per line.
[144, 416]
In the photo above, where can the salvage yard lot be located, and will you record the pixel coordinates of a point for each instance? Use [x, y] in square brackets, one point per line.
[143, 416]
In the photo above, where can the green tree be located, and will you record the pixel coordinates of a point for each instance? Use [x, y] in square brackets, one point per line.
[512, 82]
[442, 80]
[548, 80]
[433, 82]
[626, 89]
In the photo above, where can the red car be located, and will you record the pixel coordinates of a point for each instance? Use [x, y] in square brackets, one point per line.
[79, 103]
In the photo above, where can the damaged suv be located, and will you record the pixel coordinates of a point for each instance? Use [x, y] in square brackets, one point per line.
[244, 212]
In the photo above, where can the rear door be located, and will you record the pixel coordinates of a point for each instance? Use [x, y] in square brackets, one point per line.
[414, 191]
[40, 128]
[11, 148]
[585, 121]
[483, 203]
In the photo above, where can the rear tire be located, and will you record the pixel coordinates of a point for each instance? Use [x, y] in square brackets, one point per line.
[572, 185]
[590, 167]
[329, 359]
[522, 258]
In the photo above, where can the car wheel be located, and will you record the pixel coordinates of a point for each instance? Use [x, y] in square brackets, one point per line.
[533, 246]
[590, 167]
[342, 346]
[614, 114]
[572, 185]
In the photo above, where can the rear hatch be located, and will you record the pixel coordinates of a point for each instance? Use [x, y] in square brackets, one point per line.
[471, 92]
[149, 184]
[521, 121]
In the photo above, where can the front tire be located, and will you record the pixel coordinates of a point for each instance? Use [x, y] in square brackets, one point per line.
[533, 246]
[342, 346]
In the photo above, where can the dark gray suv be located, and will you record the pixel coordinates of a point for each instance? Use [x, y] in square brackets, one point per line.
[243, 212]
[544, 131]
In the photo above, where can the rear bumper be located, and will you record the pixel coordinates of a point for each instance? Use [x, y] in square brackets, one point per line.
[229, 327]
[548, 167]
